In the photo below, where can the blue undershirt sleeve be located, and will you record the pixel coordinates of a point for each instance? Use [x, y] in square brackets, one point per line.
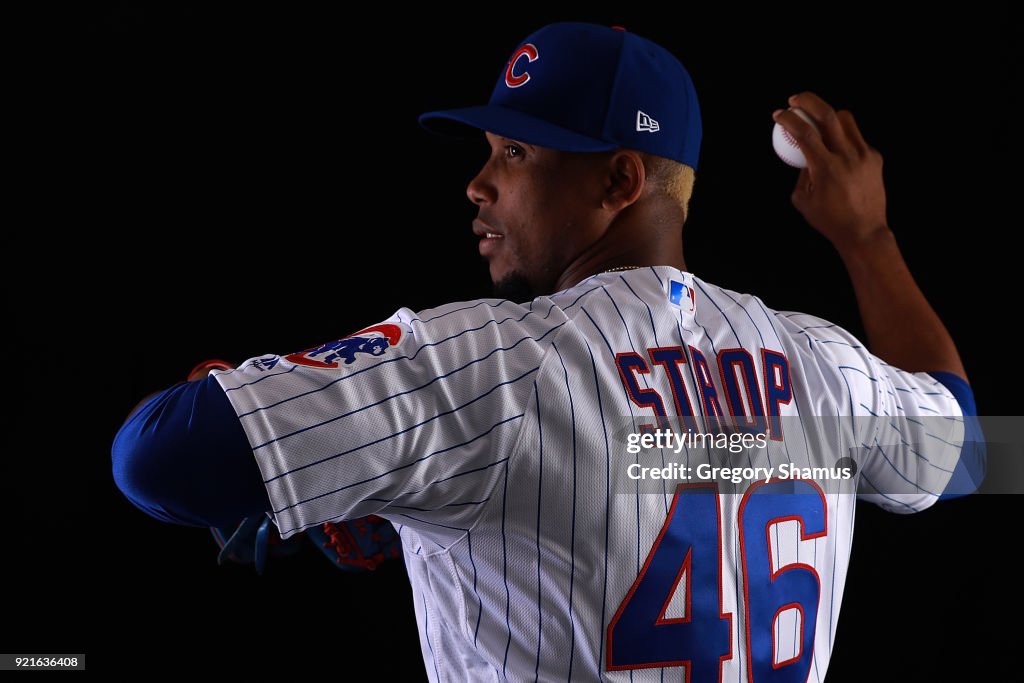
[184, 458]
[970, 468]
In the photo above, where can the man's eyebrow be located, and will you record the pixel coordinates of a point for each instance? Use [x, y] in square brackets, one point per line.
[518, 142]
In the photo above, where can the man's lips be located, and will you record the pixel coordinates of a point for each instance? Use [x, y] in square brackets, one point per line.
[489, 236]
[482, 229]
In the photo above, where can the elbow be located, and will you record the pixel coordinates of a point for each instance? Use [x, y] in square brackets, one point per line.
[142, 466]
[971, 466]
[133, 470]
[184, 458]
[970, 470]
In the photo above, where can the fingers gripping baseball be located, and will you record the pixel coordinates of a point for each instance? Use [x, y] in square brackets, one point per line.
[841, 192]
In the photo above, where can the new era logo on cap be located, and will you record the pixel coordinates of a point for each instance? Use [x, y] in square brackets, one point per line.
[646, 123]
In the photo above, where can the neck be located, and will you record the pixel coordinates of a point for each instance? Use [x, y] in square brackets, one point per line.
[635, 239]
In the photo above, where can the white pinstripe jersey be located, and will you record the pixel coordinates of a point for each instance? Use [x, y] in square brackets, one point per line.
[489, 433]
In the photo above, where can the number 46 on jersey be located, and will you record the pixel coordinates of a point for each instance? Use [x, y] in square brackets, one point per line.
[689, 548]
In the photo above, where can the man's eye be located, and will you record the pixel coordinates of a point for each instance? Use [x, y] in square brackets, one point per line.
[512, 151]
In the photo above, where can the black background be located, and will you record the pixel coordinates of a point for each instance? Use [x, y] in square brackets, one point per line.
[195, 183]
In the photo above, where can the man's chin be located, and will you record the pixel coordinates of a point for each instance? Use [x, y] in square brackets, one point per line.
[514, 287]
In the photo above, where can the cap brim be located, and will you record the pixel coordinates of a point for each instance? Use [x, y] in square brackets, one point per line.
[512, 124]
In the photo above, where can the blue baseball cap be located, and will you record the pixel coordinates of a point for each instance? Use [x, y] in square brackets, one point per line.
[580, 87]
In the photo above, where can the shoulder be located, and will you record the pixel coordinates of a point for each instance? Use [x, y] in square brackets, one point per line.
[461, 315]
[484, 323]
[729, 302]
[786, 323]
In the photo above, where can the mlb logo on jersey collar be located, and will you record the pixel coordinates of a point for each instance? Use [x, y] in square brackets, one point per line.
[681, 294]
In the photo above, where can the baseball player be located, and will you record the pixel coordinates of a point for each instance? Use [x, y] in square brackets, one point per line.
[518, 444]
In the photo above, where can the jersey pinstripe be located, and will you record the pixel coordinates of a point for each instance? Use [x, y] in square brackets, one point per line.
[488, 433]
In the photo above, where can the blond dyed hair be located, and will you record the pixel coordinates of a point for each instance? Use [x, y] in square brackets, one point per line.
[671, 179]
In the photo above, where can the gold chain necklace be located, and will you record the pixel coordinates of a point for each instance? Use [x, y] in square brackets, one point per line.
[614, 270]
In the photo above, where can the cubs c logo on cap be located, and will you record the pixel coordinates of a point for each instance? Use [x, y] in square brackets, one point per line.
[513, 79]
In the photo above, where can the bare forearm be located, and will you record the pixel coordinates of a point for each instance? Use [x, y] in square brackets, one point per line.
[902, 328]
[842, 195]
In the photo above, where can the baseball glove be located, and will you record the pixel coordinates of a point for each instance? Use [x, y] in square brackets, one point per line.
[356, 545]
[252, 542]
[359, 544]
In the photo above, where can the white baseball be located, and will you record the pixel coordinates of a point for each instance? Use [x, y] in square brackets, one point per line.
[786, 146]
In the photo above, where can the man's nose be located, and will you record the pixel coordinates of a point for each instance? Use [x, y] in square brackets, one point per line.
[480, 189]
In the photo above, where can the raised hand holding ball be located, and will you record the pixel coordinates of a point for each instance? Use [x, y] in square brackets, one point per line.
[786, 145]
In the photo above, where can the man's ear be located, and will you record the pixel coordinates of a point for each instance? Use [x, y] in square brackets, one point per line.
[626, 180]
